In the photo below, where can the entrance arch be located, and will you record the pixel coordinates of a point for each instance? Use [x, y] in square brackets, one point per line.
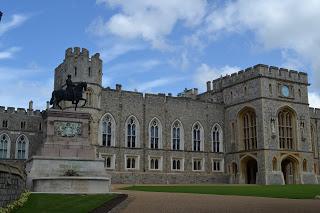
[290, 170]
[249, 169]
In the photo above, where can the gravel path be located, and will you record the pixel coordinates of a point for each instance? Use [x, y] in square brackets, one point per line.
[145, 202]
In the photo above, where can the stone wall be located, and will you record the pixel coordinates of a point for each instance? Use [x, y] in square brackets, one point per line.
[12, 183]
[33, 129]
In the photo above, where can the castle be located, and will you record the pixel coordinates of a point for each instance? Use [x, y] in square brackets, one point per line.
[251, 127]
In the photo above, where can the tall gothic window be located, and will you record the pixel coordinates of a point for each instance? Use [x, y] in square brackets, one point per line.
[22, 147]
[108, 130]
[177, 136]
[217, 138]
[4, 146]
[197, 137]
[132, 132]
[285, 120]
[155, 134]
[249, 129]
[313, 141]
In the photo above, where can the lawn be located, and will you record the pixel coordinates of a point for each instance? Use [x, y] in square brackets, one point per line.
[275, 191]
[51, 203]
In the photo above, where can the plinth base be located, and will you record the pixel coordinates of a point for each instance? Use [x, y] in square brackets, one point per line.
[51, 175]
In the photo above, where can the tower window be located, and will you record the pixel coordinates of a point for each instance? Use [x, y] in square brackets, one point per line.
[75, 71]
[5, 124]
[270, 89]
[23, 124]
[89, 72]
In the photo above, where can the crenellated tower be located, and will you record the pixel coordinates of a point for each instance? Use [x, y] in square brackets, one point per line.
[81, 67]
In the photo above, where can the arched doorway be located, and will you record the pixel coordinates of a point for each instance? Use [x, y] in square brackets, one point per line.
[289, 168]
[249, 169]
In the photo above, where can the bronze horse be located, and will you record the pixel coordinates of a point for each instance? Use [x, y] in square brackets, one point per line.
[63, 95]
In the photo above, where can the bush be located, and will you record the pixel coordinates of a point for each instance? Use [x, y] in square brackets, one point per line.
[16, 204]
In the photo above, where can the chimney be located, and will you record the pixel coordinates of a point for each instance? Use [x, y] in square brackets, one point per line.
[118, 87]
[30, 105]
[208, 85]
[48, 105]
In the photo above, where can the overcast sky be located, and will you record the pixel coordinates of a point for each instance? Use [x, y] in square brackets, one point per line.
[154, 46]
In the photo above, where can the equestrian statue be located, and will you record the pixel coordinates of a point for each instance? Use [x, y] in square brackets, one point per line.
[73, 93]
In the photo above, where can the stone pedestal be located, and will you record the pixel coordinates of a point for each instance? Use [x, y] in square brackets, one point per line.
[66, 163]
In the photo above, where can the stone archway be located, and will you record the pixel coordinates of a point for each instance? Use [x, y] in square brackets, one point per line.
[290, 171]
[249, 170]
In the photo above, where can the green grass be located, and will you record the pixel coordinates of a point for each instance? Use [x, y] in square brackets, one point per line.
[51, 203]
[275, 191]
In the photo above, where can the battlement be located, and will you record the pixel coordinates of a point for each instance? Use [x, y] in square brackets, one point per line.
[78, 52]
[314, 112]
[259, 70]
[20, 111]
[190, 93]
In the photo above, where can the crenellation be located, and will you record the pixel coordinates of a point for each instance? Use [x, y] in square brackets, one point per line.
[314, 113]
[259, 70]
[85, 53]
[76, 51]
[11, 110]
[284, 73]
[37, 112]
[21, 111]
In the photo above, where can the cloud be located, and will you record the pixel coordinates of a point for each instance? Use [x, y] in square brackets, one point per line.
[206, 73]
[314, 100]
[134, 67]
[110, 52]
[8, 53]
[150, 85]
[19, 86]
[16, 20]
[287, 24]
[148, 20]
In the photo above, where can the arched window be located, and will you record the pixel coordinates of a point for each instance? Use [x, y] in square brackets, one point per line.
[177, 135]
[286, 129]
[249, 129]
[197, 137]
[177, 164]
[132, 133]
[4, 146]
[274, 164]
[304, 165]
[107, 130]
[155, 134]
[217, 138]
[22, 145]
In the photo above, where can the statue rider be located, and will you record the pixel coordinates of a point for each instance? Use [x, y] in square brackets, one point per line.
[70, 87]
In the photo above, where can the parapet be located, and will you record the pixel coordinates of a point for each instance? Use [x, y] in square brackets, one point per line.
[78, 52]
[259, 70]
[20, 111]
[314, 112]
[191, 93]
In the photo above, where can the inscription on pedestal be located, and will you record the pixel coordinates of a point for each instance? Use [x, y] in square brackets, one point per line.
[67, 129]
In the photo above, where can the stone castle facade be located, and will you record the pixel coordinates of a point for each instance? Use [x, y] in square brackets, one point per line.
[254, 126]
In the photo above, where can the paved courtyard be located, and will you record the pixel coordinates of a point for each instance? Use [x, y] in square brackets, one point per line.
[177, 202]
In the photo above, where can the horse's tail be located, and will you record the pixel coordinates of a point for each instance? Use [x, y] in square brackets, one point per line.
[52, 98]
